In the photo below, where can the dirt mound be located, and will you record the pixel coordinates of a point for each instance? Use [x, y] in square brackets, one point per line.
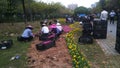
[55, 57]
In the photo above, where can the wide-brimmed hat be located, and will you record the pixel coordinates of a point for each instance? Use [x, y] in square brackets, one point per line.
[29, 26]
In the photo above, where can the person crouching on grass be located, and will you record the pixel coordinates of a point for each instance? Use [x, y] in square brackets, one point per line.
[27, 34]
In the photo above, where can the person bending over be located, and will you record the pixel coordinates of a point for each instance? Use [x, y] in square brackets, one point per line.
[27, 34]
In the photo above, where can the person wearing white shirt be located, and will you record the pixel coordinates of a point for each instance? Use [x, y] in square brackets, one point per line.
[104, 15]
[112, 16]
[45, 30]
[59, 29]
[58, 26]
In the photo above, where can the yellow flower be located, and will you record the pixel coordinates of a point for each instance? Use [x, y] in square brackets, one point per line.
[85, 67]
[77, 63]
[70, 46]
[74, 49]
[74, 56]
[82, 58]
[76, 66]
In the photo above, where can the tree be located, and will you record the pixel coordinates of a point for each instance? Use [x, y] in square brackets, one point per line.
[102, 3]
[24, 9]
[81, 10]
[30, 9]
[108, 4]
[3, 9]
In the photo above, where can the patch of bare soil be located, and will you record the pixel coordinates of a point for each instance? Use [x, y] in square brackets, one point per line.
[54, 57]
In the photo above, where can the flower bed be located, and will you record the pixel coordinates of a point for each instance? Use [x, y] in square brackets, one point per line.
[78, 59]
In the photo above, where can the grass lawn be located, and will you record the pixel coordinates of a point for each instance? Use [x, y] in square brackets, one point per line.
[8, 31]
[17, 49]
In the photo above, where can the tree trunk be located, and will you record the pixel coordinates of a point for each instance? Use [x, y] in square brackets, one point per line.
[24, 10]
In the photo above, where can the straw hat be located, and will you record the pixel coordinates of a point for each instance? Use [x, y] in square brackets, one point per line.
[29, 26]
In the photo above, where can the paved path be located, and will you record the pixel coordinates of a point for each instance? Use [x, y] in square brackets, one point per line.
[111, 30]
[108, 45]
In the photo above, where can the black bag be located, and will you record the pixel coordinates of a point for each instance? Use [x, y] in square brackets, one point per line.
[85, 39]
[40, 46]
[47, 37]
[6, 44]
[45, 45]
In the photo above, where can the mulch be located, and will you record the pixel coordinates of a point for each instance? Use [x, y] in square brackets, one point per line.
[54, 57]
